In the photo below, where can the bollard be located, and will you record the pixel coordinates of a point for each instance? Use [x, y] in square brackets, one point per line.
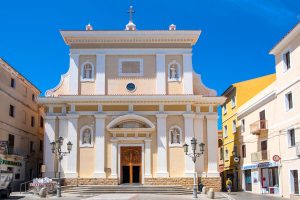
[204, 190]
[211, 193]
[43, 192]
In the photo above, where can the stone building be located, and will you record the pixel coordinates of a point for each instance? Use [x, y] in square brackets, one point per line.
[128, 103]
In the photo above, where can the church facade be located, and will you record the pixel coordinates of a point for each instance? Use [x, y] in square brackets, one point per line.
[128, 103]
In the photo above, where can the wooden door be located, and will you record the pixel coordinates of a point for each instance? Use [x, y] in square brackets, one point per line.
[131, 164]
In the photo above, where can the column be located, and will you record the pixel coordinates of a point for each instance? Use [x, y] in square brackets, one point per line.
[189, 134]
[198, 129]
[49, 136]
[212, 145]
[72, 136]
[100, 74]
[187, 73]
[162, 164]
[160, 74]
[100, 146]
[73, 70]
[148, 173]
[114, 158]
[63, 132]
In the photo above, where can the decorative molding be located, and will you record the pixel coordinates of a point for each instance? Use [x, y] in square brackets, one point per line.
[180, 136]
[179, 67]
[82, 72]
[132, 117]
[130, 51]
[81, 136]
[120, 65]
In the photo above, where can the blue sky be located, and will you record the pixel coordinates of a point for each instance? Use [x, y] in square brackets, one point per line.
[236, 34]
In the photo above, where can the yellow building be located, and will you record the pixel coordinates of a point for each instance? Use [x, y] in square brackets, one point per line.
[21, 126]
[236, 95]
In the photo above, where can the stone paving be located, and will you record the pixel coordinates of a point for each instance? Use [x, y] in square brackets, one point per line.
[219, 196]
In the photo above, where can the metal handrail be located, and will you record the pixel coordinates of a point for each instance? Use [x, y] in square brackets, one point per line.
[25, 184]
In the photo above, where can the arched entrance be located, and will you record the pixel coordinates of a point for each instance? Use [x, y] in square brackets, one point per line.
[131, 144]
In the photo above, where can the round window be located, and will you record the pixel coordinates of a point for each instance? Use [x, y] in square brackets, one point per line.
[130, 87]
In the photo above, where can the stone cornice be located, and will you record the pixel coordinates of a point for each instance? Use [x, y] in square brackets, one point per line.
[150, 99]
[154, 36]
[212, 116]
[73, 115]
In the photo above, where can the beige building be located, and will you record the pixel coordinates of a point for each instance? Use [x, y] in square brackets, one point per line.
[270, 122]
[128, 103]
[21, 125]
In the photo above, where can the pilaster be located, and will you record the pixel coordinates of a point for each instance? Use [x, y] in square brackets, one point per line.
[63, 132]
[73, 70]
[162, 165]
[187, 74]
[148, 173]
[100, 146]
[189, 134]
[100, 74]
[199, 134]
[114, 158]
[160, 74]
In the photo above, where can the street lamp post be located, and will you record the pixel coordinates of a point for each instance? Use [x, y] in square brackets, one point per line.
[194, 157]
[56, 149]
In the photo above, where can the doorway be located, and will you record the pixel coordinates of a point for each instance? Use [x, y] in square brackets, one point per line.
[294, 182]
[131, 164]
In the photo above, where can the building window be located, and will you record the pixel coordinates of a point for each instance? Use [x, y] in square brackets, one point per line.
[175, 136]
[31, 147]
[225, 131]
[11, 110]
[289, 101]
[291, 137]
[294, 181]
[243, 125]
[244, 151]
[41, 122]
[41, 145]
[131, 67]
[12, 83]
[17, 176]
[233, 126]
[226, 154]
[224, 109]
[221, 153]
[11, 143]
[33, 97]
[174, 72]
[86, 136]
[286, 61]
[87, 71]
[32, 121]
[233, 103]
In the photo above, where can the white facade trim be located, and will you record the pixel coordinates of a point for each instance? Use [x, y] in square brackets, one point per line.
[81, 136]
[120, 65]
[130, 51]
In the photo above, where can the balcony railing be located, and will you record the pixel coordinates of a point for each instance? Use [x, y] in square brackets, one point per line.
[259, 127]
[260, 156]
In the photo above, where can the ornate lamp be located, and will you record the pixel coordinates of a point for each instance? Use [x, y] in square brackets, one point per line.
[186, 148]
[202, 147]
[69, 146]
[194, 143]
[52, 146]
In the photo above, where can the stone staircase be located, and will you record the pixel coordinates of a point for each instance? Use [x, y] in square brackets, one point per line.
[109, 189]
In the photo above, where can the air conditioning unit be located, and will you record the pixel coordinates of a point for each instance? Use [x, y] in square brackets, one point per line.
[298, 149]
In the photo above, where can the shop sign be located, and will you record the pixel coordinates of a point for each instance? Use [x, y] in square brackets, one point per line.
[9, 162]
[267, 164]
[251, 166]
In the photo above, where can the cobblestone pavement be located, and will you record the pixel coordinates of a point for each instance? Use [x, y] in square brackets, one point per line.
[219, 196]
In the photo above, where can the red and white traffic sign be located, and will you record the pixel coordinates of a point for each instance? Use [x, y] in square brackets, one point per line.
[276, 158]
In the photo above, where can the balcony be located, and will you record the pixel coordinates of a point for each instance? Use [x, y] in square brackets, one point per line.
[259, 127]
[260, 156]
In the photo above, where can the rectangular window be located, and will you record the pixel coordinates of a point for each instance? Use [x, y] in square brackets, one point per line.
[244, 151]
[291, 137]
[11, 110]
[233, 102]
[221, 154]
[225, 131]
[23, 113]
[33, 97]
[12, 83]
[11, 144]
[224, 109]
[243, 125]
[233, 126]
[287, 60]
[289, 101]
[31, 147]
[294, 179]
[32, 121]
[17, 176]
[41, 122]
[131, 67]
[41, 145]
